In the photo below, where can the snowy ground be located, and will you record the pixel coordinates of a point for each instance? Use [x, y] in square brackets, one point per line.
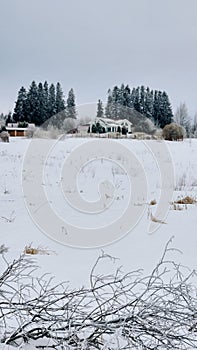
[138, 248]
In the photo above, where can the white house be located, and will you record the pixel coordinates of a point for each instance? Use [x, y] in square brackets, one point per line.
[110, 125]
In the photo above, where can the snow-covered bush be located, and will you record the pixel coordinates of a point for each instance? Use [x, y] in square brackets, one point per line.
[173, 132]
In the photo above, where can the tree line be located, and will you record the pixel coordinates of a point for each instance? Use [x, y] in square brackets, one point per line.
[151, 104]
[41, 102]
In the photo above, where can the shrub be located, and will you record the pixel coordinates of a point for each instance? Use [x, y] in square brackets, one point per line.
[4, 136]
[173, 132]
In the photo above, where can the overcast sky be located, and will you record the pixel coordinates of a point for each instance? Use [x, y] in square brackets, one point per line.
[92, 45]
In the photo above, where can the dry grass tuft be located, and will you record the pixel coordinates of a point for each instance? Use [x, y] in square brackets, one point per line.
[153, 202]
[34, 251]
[178, 207]
[154, 219]
[186, 200]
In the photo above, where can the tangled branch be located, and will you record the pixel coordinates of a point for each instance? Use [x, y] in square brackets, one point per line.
[118, 311]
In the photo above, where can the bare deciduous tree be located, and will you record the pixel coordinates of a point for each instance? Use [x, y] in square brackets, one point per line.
[181, 117]
[118, 311]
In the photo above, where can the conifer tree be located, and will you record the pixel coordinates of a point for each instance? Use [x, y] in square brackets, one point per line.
[60, 103]
[41, 103]
[165, 110]
[71, 106]
[136, 100]
[33, 104]
[45, 101]
[100, 110]
[148, 104]
[20, 110]
[51, 101]
[142, 99]
[115, 102]
[108, 108]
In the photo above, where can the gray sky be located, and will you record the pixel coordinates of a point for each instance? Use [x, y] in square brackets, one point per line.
[92, 45]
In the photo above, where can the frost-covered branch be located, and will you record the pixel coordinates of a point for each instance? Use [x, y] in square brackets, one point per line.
[117, 311]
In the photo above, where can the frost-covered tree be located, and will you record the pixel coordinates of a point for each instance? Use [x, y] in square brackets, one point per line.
[71, 105]
[33, 108]
[194, 126]
[148, 103]
[100, 110]
[60, 103]
[45, 101]
[162, 110]
[108, 108]
[51, 101]
[152, 104]
[20, 111]
[181, 117]
[142, 99]
[136, 100]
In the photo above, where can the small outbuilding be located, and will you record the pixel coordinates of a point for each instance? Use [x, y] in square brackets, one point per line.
[15, 130]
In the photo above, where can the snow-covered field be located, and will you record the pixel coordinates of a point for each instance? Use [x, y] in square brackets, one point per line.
[137, 248]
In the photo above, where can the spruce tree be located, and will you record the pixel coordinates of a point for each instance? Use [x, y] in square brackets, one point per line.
[60, 103]
[51, 101]
[100, 110]
[108, 108]
[41, 103]
[33, 104]
[149, 98]
[121, 102]
[45, 101]
[127, 97]
[7, 118]
[20, 111]
[71, 106]
[115, 102]
[166, 114]
[136, 99]
[142, 98]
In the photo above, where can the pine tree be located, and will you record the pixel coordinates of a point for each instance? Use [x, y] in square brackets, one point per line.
[33, 104]
[71, 106]
[45, 101]
[51, 101]
[136, 99]
[108, 108]
[127, 97]
[142, 98]
[166, 114]
[20, 110]
[8, 118]
[115, 102]
[121, 103]
[100, 110]
[148, 104]
[60, 103]
[41, 103]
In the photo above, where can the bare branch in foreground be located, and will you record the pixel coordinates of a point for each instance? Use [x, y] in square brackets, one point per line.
[118, 311]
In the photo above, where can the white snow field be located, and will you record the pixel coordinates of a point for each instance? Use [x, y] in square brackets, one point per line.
[137, 248]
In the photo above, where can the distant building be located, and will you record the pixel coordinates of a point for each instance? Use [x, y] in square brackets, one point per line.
[15, 130]
[109, 125]
[84, 128]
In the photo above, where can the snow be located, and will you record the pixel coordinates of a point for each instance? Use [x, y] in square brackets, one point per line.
[135, 249]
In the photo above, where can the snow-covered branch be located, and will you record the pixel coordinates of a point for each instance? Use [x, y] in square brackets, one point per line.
[117, 311]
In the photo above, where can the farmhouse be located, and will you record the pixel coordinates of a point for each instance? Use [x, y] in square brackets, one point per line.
[109, 125]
